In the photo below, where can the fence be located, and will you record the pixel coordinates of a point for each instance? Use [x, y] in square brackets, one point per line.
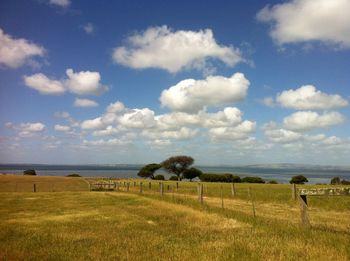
[258, 201]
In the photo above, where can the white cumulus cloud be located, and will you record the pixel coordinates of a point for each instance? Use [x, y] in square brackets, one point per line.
[84, 82]
[81, 83]
[160, 47]
[280, 135]
[307, 120]
[194, 95]
[240, 132]
[308, 97]
[84, 103]
[309, 20]
[16, 52]
[44, 85]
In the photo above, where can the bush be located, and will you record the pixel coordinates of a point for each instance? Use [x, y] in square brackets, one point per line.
[335, 181]
[209, 177]
[299, 179]
[272, 182]
[29, 172]
[345, 182]
[173, 178]
[159, 177]
[253, 180]
[73, 175]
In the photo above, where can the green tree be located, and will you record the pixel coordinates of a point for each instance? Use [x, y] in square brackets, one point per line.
[29, 172]
[192, 173]
[149, 170]
[177, 165]
[299, 179]
[159, 177]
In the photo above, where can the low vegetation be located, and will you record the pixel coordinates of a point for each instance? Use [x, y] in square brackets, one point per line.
[208, 177]
[29, 172]
[74, 175]
[252, 180]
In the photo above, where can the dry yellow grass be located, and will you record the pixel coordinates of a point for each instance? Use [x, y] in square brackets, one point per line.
[125, 226]
[22, 183]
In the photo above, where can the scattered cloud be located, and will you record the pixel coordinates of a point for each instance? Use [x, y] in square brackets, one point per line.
[63, 128]
[28, 129]
[109, 142]
[269, 102]
[240, 132]
[307, 120]
[308, 97]
[280, 135]
[194, 95]
[61, 3]
[81, 83]
[16, 52]
[44, 85]
[161, 47]
[89, 28]
[85, 83]
[84, 103]
[309, 20]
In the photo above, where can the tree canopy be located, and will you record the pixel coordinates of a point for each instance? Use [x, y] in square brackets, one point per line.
[177, 165]
[192, 173]
[299, 179]
[148, 170]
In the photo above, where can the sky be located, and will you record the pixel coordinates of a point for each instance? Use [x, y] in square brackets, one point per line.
[226, 82]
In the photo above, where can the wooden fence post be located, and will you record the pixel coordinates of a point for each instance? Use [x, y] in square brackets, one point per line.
[117, 186]
[127, 186]
[200, 193]
[303, 211]
[222, 197]
[177, 186]
[34, 187]
[161, 190]
[294, 191]
[172, 191]
[141, 187]
[252, 200]
[149, 185]
[233, 189]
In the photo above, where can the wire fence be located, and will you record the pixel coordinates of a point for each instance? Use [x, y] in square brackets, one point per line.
[280, 202]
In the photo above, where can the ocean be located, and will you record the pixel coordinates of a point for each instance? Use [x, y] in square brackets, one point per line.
[280, 174]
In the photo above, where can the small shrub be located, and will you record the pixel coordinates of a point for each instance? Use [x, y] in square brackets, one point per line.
[335, 181]
[210, 177]
[173, 178]
[29, 172]
[345, 182]
[299, 179]
[73, 175]
[272, 182]
[159, 177]
[253, 180]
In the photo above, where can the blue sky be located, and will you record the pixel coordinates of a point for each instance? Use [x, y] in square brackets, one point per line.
[227, 82]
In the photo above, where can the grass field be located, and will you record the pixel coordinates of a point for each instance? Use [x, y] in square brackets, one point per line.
[20, 183]
[132, 226]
